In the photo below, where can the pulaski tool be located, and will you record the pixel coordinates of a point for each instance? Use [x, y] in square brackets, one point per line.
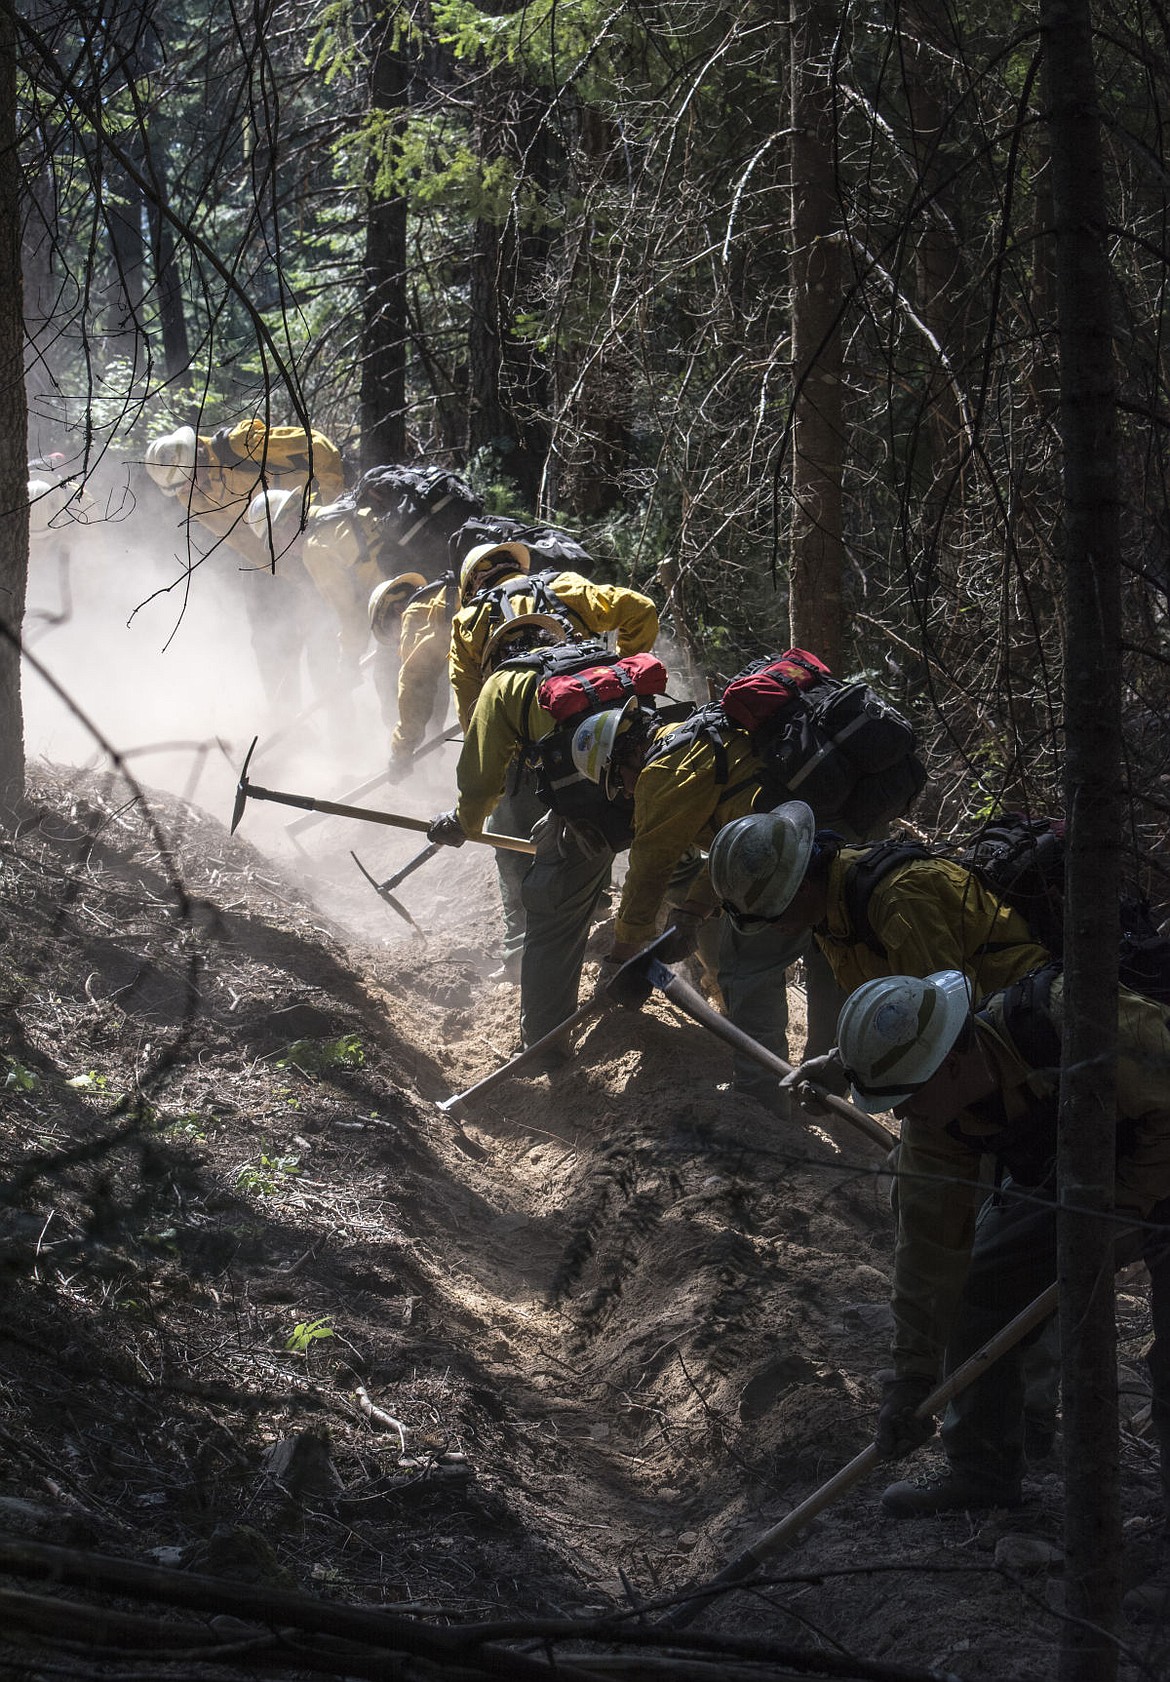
[365, 814]
[604, 999]
[299, 825]
[646, 973]
[384, 890]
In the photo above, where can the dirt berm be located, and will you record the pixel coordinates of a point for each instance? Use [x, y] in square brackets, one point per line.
[624, 1320]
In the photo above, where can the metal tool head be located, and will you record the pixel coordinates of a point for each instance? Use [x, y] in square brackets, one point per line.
[242, 789]
[382, 889]
[639, 975]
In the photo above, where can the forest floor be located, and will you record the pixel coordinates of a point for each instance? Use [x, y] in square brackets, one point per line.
[625, 1319]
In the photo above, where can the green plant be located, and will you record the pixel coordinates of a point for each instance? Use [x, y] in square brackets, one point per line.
[314, 1056]
[262, 1178]
[190, 1127]
[305, 1334]
[89, 1082]
[19, 1078]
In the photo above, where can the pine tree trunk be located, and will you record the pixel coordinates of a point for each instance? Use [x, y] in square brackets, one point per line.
[1093, 804]
[383, 387]
[13, 437]
[817, 553]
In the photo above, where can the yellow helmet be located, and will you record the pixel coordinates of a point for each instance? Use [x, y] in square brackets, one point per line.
[387, 600]
[489, 563]
[517, 636]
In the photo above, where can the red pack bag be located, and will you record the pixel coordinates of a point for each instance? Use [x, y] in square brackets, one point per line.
[565, 695]
[765, 690]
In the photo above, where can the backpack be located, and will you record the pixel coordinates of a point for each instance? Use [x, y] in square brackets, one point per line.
[577, 679]
[278, 455]
[840, 747]
[1021, 861]
[417, 506]
[548, 546]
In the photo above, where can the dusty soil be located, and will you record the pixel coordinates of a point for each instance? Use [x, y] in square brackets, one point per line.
[625, 1320]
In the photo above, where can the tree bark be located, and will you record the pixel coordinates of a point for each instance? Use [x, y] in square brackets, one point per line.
[1092, 570]
[383, 383]
[817, 549]
[13, 437]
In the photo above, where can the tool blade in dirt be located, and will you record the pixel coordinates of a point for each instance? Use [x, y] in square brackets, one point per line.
[383, 893]
[765, 1547]
[692, 1003]
[600, 1001]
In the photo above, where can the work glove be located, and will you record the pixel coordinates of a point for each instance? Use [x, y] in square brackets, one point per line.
[633, 990]
[898, 1431]
[826, 1073]
[684, 926]
[446, 830]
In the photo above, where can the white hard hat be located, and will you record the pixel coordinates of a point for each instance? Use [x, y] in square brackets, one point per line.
[894, 1034]
[170, 461]
[594, 741]
[488, 562]
[387, 600]
[758, 862]
[278, 512]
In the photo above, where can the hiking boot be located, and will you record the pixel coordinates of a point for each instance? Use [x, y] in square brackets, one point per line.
[948, 1492]
[509, 970]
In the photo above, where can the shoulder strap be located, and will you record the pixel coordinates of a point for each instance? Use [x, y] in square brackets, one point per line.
[1028, 1018]
[706, 723]
[862, 878]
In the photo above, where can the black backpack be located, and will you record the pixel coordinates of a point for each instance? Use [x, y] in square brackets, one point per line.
[422, 507]
[1021, 861]
[840, 747]
[548, 546]
[497, 603]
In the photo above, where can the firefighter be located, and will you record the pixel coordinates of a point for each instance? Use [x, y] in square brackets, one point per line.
[579, 828]
[218, 477]
[969, 1080]
[496, 588]
[685, 787]
[414, 617]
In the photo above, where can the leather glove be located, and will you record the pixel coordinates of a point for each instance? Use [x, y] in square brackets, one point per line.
[898, 1432]
[684, 927]
[817, 1075]
[446, 830]
[633, 989]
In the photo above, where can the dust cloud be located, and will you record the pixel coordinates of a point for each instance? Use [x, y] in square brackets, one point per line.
[177, 658]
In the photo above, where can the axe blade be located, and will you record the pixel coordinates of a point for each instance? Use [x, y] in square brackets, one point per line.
[242, 789]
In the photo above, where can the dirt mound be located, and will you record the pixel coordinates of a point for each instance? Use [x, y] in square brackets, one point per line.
[271, 1314]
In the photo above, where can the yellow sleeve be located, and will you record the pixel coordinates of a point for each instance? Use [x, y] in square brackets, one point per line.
[1143, 1103]
[469, 630]
[501, 721]
[422, 671]
[675, 799]
[610, 607]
